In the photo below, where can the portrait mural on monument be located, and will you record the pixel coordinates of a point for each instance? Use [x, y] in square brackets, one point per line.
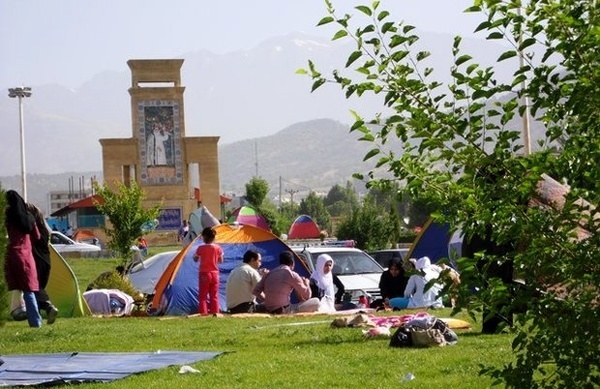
[159, 142]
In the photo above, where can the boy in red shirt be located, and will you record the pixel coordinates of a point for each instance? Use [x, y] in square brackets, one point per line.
[210, 255]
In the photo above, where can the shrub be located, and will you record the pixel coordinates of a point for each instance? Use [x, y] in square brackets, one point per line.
[114, 280]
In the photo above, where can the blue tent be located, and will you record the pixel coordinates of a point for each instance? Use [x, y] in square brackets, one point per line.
[435, 241]
[176, 291]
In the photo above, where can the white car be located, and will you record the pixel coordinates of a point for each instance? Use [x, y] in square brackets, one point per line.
[358, 272]
[64, 244]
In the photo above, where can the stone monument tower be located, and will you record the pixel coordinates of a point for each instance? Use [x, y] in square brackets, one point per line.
[178, 171]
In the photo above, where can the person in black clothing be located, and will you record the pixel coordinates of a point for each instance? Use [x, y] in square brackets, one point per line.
[41, 255]
[494, 263]
[493, 259]
[392, 283]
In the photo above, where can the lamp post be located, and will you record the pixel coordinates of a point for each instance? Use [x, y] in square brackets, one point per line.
[20, 93]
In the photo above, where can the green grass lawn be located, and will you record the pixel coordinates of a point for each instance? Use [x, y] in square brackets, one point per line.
[263, 351]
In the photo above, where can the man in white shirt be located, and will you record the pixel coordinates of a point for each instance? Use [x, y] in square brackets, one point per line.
[241, 282]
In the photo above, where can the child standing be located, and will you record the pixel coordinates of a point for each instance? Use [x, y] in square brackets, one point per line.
[210, 255]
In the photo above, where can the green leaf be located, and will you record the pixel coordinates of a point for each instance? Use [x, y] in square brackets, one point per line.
[374, 41]
[356, 116]
[363, 70]
[399, 55]
[506, 55]
[519, 79]
[394, 119]
[387, 26]
[462, 59]
[317, 84]
[472, 67]
[364, 9]
[301, 71]
[325, 20]
[526, 43]
[382, 15]
[456, 43]
[474, 8]
[357, 124]
[371, 154]
[397, 40]
[353, 57]
[479, 94]
[421, 55]
[343, 22]
[367, 138]
[407, 28]
[350, 91]
[339, 34]
[483, 26]
[369, 28]
[495, 35]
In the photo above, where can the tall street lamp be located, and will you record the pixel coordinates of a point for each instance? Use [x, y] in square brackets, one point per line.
[20, 93]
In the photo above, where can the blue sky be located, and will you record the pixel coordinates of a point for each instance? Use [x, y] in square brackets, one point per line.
[69, 41]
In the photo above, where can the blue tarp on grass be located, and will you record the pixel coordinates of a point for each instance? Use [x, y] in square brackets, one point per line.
[44, 369]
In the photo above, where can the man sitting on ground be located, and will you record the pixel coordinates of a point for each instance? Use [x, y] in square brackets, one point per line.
[277, 286]
[241, 283]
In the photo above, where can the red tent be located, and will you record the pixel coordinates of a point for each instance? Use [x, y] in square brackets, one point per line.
[304, 227]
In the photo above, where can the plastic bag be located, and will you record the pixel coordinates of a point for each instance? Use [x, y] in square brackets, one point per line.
[326, 305]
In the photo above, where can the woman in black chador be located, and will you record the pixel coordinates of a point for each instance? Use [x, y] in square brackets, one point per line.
[41, 255]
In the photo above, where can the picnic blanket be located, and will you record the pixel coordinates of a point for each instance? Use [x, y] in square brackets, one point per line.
[363, 320]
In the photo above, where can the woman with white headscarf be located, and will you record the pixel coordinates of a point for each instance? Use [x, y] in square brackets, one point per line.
[415, 295]
[323, 283]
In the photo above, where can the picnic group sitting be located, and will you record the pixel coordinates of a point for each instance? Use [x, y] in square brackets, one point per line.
[249, 290]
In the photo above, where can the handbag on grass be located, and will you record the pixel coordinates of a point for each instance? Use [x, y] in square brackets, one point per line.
[431, 332]
[402, 337]
[427, 338]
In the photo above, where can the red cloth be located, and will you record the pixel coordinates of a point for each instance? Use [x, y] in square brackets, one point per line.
[210, 255]
[19, 266]
[142, 242]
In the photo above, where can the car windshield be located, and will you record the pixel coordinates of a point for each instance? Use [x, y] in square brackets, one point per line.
[58, 239]
[384, 257]
[351, 262]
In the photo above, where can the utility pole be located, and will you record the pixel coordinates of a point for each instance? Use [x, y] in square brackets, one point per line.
[256, 159]
[291, 193]
[525, 100]
[280, 204]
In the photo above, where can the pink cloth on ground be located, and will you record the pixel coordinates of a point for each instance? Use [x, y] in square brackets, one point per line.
[396, 321]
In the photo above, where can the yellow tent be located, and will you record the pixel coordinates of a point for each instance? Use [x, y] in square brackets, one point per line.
[63, 288]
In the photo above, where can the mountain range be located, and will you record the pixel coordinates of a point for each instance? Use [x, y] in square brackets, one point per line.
[267, 120]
